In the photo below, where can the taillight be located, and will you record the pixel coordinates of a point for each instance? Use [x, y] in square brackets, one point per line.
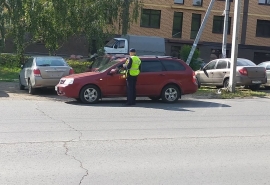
[243, 71]
[37, 72]
[71, 71]
[194, 78]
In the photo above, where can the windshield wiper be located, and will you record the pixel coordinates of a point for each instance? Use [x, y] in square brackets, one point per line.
[44, 65]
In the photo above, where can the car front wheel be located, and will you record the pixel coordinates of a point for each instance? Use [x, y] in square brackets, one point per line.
[90, 94]
[170, 94]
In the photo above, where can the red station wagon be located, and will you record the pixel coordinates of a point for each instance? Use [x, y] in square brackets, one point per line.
[161, 77]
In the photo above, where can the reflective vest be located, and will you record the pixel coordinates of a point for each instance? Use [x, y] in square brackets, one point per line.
[134, 70]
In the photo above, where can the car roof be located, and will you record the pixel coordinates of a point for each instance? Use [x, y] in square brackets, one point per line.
[40, 56]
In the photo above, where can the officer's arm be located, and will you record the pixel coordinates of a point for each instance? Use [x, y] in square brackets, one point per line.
[128, 66]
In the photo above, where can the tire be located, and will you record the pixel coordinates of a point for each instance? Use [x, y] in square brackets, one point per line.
[154, 98]
[90, 94]
[31, 90]
[170, 94]
[255, 87]
[226, 83]
[21, 87]
[267, 87]
[198, 82]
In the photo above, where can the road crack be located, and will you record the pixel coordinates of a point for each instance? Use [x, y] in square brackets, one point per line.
[66, 142]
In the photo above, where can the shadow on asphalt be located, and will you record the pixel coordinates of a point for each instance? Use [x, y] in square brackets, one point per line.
[181, 105]
[3, 94]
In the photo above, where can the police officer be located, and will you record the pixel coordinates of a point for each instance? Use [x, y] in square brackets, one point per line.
[132, 67]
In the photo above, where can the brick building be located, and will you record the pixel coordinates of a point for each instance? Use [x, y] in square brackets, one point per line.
[179, 20]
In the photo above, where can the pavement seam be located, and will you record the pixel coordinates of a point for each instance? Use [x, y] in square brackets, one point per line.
[65, 143]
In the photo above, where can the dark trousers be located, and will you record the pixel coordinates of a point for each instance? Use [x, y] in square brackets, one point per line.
[131, 89]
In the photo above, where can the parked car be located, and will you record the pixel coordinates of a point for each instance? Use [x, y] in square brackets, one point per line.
[266, 65]
[43, 71]
[217, 73]
[163, 78]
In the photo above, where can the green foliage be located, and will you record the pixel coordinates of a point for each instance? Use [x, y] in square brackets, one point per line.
[9, 60]
[195, 64]
[9, 74]
[79, 66]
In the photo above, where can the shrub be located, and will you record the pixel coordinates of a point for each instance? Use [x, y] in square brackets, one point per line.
[9, 60]
[78, 66]
[195, 64]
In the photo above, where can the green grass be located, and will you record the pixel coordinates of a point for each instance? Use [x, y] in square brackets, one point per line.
[212, 92]
[9, 74]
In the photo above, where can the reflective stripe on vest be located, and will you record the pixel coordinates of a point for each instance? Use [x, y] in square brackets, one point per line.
[134, 70]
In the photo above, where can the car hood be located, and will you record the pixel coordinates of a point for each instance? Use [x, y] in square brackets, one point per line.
[81, 75]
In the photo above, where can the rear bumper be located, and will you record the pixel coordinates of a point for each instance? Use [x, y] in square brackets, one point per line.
[243, 80]
[40, 82]
[67, 91]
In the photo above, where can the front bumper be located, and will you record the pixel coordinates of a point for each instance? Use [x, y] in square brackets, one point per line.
[67, 90]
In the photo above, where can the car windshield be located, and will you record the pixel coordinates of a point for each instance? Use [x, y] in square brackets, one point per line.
[50, 61]
[245, 62]
[107, 66]
[100, 61]
[111, 43]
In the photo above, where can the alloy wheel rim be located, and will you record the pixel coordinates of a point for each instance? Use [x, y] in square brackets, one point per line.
[171, 94]
[90, 94]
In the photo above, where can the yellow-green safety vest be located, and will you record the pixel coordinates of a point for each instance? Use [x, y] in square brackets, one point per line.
[134, 70]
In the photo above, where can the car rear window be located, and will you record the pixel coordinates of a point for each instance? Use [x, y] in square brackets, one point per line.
[173, 65]
[245, 62]
[50, 62]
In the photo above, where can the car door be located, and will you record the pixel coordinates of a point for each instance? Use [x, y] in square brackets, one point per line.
[206, 74]
[23, 74]
[268, 73]
[220, 72]
[151, 76]
[116, 83]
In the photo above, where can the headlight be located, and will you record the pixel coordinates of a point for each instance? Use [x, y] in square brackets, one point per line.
[69, 81]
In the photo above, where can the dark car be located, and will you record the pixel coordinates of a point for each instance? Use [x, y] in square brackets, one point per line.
[163, 78]
[217, 73]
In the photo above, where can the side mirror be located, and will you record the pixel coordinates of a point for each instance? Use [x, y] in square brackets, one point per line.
[112, 72]
[21, 66]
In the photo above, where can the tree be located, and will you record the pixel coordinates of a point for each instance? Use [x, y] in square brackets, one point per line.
[195, 64]
[4, 17]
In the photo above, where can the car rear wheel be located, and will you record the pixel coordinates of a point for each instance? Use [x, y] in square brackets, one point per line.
[31, 90]
[226, 83]
[255, 87]
[90, 94]
[198, 82]
[170, 94]
[21, 87]
[155, 98]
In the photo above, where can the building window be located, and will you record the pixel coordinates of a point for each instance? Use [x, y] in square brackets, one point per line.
[218, 24]
[195, 25]
[197, 2]
[263, 28]
[150, 18]
[177, 25]
[265, 2]
[179, 1]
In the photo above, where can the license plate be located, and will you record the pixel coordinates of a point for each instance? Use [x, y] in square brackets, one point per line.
[256, 82]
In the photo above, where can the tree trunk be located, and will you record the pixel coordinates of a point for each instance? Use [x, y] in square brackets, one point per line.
[125, 16]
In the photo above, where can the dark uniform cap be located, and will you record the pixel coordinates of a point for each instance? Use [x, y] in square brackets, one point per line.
[132, 50]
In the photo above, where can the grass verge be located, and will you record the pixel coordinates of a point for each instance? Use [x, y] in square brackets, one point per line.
[9, 74]
[211, 92]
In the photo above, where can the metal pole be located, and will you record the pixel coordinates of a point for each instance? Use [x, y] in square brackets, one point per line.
[235, 41]
[225, 28]
[200, 31]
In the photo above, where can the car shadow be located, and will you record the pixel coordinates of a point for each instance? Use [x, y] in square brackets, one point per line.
[3, 94]
[181, 105]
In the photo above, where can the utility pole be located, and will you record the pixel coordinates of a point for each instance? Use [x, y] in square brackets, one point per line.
[200, 31]
[225, 28]
[235, 41]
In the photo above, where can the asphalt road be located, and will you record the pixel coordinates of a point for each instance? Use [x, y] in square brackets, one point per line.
[193, 142]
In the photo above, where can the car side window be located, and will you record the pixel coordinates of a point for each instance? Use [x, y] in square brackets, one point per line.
[211, 65]
[29, 63]
[268, 67]
[151, 66]
[173, 65]
[222, 64]
[121, 44]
